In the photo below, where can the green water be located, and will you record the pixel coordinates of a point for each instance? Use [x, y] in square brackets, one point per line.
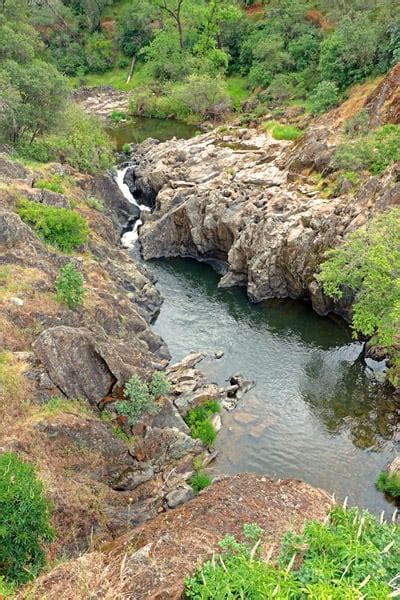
[141, 128]
[317, 413]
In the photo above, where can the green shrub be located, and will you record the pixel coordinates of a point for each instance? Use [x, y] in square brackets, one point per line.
[350, 556]
[54, 184]
[389, 483]
[198, 420]
[24, 520]
[118, 116]
[60, 227]
[140, 397]
[373, 152]
[368, 265]
[93, 202]
[70, 286]
[126, 149]
[80, 141]
[199, 481]
[7, 589]
[159, 385]
[324, 97]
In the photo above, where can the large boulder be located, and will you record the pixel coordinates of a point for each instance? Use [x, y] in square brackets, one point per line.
[10, 169]
[83, 364]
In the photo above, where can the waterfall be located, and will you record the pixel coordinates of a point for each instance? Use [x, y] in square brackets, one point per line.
[129, 238]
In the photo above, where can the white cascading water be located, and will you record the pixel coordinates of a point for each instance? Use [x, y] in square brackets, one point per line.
[129, 238]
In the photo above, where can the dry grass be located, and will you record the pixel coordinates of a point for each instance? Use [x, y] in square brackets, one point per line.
[14, 388]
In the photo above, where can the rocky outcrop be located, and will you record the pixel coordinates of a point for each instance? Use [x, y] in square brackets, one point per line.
[383, 105]
[102, 101]
[153, 560]
[238, 198]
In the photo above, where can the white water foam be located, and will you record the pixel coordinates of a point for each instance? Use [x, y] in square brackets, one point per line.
[129, 239]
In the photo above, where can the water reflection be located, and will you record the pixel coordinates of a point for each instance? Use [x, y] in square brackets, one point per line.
[317, 412]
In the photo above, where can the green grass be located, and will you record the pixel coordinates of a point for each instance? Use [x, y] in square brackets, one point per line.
[238, 89]
[199, 481]
[198, 420]
[116, 78]
[279, 131]
[389, 483]
[350, 556]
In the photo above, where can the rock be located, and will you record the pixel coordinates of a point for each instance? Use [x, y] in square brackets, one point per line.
[243, 384]
[169, 417]
[179, 496]
[216, 422]
[87, 434]
[48, 197]
[189, 362]
[17, 301]
[189, 400]
[13, 231]
[383, 105]
[163, 446]
[219, 354]
[176, 542]
[133, 478]
[117, 207]
[394, 467]
[11, 169]
[86, 365]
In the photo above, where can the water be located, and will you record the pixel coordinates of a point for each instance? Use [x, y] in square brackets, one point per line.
[317, 413]
[141, 128]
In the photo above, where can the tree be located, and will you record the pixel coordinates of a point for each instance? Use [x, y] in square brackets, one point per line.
[173, 8]
[135, 30]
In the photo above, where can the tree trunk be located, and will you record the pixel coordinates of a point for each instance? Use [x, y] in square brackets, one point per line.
[133, 63]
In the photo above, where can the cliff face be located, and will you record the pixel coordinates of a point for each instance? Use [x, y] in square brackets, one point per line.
[246, 199]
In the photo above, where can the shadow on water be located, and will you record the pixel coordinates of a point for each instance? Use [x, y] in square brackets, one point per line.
[317, 412]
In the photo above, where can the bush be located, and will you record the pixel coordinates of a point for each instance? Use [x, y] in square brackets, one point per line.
[202, 96]
[351, 555]
[373, 152]
[60, 227]
[198, 420]
[54, 184]
[324, 97]
[69, 286]
[81, 143]
[24, 520]
[366, 270]
[159, 385]
[389, 483]
[126, 149]
[93, 202]
[140, 397]
[199, 481]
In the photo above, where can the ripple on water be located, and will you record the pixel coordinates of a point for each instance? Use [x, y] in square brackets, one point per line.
[317, 412]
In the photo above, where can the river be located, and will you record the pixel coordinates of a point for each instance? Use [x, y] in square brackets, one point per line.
[318, 411]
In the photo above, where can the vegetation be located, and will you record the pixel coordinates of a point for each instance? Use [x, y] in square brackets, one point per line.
[94, 203]
[372, 152]
[199, 481]
[140, 397]
[60, 227]
[70, 286]
[280, 131]
[55, 184]
[351, 555]
[198, 420]
[24, 520]
[389, 483]
[366, 269]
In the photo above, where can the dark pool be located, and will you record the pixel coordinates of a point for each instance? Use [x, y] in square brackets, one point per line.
[141, 128]
[318, 412]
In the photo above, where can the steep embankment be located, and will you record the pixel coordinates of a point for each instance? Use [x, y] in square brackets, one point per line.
[153, 560]
[62, 370]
